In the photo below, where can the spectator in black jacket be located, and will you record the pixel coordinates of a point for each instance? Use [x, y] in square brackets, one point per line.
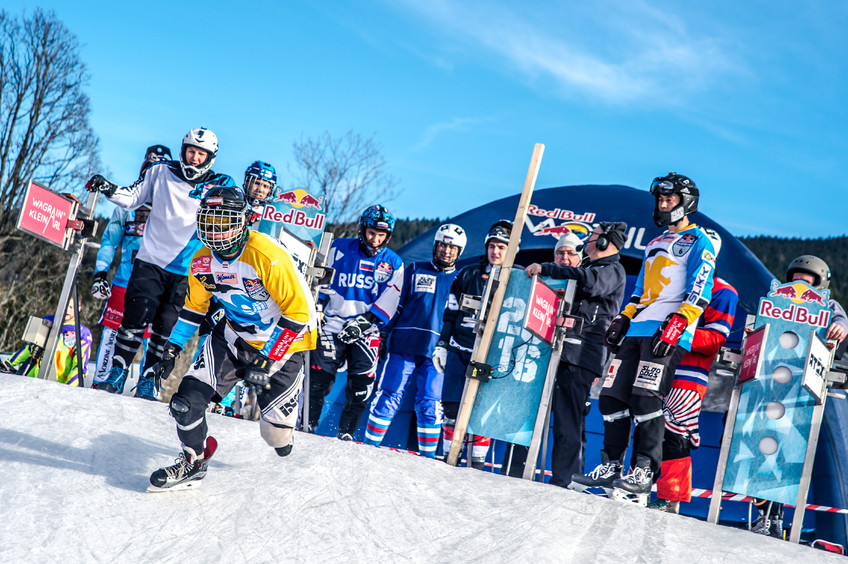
[598, 297]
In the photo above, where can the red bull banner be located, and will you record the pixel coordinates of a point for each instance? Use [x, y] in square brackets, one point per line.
[298, 211]
[775, 413]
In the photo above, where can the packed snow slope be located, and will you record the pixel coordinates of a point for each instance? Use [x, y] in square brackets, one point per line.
[74, 467]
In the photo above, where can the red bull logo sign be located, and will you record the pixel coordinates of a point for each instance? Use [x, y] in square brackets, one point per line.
[294, 217]
[299, 198]
[789, 302]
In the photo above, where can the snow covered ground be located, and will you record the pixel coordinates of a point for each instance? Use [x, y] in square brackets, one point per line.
[74, 466]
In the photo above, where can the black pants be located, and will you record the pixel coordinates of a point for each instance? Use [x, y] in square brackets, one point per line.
[571, 395]
[155, 296]
[361, 357]
[635, 388]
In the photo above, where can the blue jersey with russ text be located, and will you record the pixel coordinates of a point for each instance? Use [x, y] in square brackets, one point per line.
[362, 284]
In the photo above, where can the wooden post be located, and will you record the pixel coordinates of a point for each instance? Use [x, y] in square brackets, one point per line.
[481, 351]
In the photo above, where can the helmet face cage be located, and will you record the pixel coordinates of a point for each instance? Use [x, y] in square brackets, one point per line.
[205, 140]
[812, 265]
[379, 218]
[222, 228]
[449, 234]
[260, 179]
[681, 185]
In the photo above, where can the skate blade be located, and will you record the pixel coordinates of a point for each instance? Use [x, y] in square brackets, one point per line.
[192, 485]
[623, 495]
[592, 490]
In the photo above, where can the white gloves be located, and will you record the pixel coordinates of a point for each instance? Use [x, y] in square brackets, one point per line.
[440, 357]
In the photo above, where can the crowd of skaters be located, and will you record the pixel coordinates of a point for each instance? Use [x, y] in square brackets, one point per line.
[196, 257]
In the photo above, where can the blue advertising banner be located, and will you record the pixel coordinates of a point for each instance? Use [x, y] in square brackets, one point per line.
[506, 406]
[775, 412]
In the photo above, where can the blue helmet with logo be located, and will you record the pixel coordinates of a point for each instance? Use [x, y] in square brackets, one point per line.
[259, 192]
[379, 218]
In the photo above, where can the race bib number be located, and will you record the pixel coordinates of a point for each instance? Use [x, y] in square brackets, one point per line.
[649, 376]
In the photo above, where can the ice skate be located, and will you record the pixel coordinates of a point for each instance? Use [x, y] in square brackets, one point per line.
[602, 476]
[185, 473]
[636, 486]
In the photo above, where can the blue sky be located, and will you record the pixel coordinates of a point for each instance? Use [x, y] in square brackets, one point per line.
[747, 98]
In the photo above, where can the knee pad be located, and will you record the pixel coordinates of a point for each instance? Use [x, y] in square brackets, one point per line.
[138, 312]
[182, 411]
[276, 435]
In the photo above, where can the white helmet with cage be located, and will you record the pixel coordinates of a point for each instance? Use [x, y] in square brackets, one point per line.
[449, 234]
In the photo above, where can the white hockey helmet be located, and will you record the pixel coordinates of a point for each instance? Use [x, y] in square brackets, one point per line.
[204, 139]
[449, 234]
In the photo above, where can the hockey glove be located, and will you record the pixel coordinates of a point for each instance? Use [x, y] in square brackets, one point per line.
[6, 366]
[616, 332]
[353, 329]
[99, 184]
[100, 289]
[440, 356]
[162, 369]
[669, 333]
[258, 372]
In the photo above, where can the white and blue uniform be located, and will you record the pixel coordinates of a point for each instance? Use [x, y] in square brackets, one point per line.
[414, 334]
[124, 233]
[362, 284]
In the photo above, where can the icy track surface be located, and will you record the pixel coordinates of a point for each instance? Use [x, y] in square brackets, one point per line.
[74, 466]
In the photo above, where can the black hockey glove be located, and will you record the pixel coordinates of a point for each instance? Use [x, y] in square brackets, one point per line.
[100, 289]
[616, 332]
[162, 369]
[99, 184]
[258, 372]
[354, 328]
[669, 333]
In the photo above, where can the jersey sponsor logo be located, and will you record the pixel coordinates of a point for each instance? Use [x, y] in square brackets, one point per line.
[384, 272]
[609, 380]
[356, 281]
[70, 339]
[701, 279]
[708, 256]
[682, 246]
[649, 376]
[206, 280]
[134, 229]
[226, 278]
[425, 283]
[366, 266]
[201, 265]
[255, 289]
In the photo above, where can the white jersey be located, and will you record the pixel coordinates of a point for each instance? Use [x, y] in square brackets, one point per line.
[170, 235]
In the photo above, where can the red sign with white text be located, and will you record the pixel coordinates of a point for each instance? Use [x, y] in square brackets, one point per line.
[542, 311]
[753, 355]
[45, 215]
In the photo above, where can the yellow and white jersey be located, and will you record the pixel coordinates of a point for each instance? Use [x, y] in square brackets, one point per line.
[676, 277]
[265, 299]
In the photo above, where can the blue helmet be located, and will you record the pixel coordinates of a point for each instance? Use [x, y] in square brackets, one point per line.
[379, 218]
[257, 194]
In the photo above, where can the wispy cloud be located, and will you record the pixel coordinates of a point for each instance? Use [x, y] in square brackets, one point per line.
[456, 124]
[615, 51]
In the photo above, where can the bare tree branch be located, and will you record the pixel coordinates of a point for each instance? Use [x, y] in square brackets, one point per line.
[349, 171]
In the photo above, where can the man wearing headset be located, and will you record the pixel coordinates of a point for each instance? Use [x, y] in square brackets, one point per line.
[598, 296]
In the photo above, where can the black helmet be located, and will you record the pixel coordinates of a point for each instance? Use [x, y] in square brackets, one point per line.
[499, 231]
[222, 220]
[674, 183]
[811, 265]
[153, 154]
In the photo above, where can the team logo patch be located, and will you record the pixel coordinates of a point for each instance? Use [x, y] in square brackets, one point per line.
[255, 289]
[682, 245]
[201, 265]
[649, 376]
[612, 373]
[206, 280]
[226, 278]
[366, 266]
[384, 272]
[70, 339]
[425, 283]
[708, 256]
